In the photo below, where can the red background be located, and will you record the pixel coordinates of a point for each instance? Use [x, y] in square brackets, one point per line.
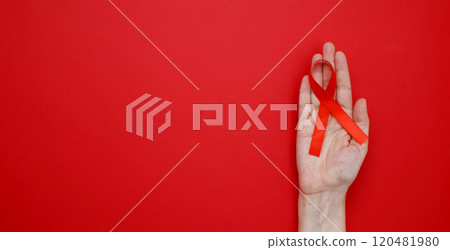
[69, 68]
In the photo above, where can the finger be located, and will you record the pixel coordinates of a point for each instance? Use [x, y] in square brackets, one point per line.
[328, 55]
[343, 85]
[360, 115]
[305, 93]
[316, 72]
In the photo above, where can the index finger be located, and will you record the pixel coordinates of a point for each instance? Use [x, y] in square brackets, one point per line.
[343, 85]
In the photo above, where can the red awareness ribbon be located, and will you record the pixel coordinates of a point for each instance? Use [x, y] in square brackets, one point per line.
[329, 105]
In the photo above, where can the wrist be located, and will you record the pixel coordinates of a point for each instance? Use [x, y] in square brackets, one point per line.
[331, 215]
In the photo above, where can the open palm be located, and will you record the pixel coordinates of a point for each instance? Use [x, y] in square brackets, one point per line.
[341, 156]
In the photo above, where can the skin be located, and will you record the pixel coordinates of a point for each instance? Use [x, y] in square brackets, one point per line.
[325, 180]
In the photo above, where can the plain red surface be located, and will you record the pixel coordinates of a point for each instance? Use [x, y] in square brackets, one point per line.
[68, 68]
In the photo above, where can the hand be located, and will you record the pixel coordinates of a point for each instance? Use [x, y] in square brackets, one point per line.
[326, 179]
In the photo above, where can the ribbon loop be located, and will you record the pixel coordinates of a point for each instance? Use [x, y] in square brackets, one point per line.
[329, 105]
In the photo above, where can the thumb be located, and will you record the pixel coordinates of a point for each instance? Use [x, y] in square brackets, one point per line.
[360, 115]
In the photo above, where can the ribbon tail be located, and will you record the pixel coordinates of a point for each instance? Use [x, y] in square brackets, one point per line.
[319, 134]
[346, 121]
